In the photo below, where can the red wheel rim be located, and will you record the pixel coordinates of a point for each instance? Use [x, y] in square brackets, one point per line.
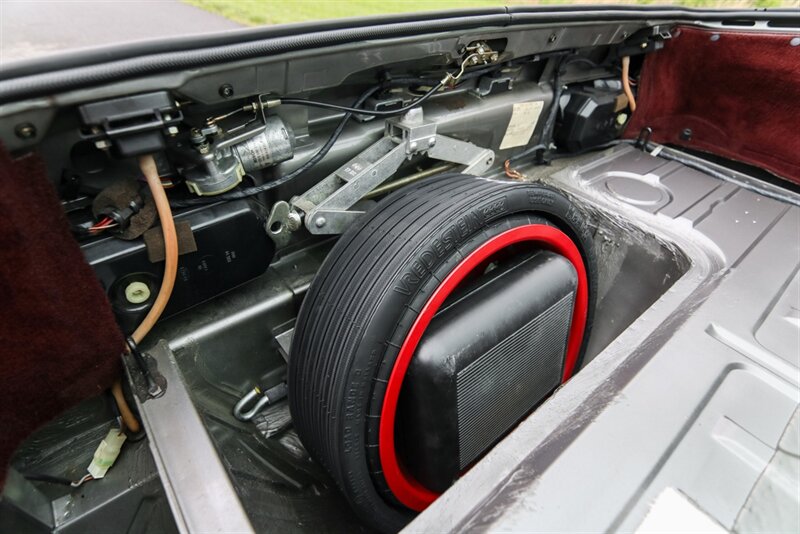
[404, 487]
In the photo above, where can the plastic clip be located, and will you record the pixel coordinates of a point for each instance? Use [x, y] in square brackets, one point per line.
[152, 387]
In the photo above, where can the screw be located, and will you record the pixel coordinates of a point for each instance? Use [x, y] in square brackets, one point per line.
[320, 222]
[25, 130]
[795, 41]
[413, 145]
[715, 37]
[686, 134]
[552, 38]
[103, 144]
[624, 35]
[431, 141]
[172, 130]
[226, 90]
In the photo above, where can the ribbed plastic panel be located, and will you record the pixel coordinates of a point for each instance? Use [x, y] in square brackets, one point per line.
[498, 388]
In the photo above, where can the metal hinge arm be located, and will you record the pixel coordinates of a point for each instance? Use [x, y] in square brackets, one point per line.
[478, 160]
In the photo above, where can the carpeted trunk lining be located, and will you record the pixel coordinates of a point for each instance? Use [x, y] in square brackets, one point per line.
[737, 91]
[58, 340]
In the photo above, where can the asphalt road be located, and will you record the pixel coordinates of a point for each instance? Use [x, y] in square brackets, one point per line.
[35, 28]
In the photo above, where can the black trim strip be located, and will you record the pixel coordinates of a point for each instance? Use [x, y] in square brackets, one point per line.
[111, 64]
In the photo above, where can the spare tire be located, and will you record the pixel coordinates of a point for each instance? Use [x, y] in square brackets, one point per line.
[375, 290]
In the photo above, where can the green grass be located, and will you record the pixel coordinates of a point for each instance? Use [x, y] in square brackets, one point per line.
[257, 13]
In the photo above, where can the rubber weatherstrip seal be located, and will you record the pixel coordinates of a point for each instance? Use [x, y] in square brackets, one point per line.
[79, 70]
[158, 63]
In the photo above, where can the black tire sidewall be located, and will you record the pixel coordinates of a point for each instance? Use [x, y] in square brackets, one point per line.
[459, 231]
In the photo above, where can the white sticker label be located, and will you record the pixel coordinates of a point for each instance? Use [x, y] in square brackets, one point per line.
[523, 121]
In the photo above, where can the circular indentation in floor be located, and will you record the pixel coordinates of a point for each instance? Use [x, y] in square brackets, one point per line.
[635, 191]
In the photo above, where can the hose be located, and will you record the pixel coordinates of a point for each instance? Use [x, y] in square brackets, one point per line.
[128, 418]
[626, 82]
[150, 171]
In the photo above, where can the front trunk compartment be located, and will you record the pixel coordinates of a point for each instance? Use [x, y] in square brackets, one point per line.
[320, 231]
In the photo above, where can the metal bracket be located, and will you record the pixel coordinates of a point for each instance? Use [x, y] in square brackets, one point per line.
[326, 208]
[197, 484]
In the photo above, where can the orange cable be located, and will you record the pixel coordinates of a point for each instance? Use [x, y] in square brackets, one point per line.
[128, 418]
[150, 171]
[626, 82]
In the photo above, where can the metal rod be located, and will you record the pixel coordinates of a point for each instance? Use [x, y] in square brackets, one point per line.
[411, 178]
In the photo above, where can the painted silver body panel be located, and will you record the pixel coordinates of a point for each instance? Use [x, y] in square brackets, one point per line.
[695, 395]
[195, 482]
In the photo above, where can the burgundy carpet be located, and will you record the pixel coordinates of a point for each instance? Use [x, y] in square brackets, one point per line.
[738, 92]
[58, 340]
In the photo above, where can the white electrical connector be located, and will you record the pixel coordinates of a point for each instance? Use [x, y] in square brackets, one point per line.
[106, 453]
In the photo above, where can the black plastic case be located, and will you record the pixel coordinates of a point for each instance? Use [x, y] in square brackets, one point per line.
[232, 248]
[486, 360]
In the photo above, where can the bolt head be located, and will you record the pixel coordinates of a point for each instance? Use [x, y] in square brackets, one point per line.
[172, 130]
[226, 90]
[552, 38]
[431, 141]
[25, 130]
[293, 221]
[103, 144]
[320, 222]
